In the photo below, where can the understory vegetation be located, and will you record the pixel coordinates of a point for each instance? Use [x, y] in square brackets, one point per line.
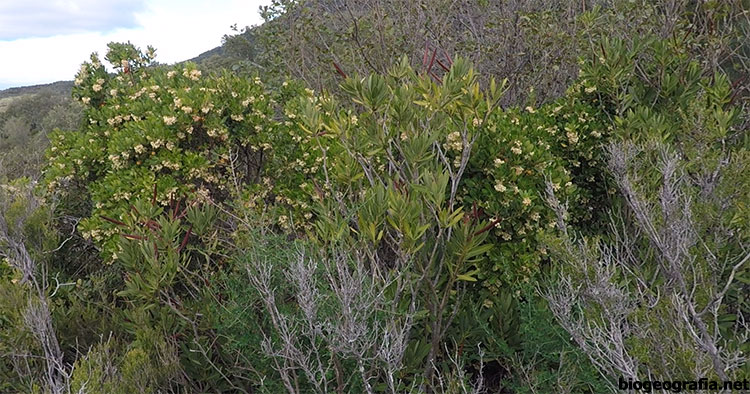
[369, 196]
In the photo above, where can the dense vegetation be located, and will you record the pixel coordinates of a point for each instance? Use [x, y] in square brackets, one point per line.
[27, 115]
[371, 196]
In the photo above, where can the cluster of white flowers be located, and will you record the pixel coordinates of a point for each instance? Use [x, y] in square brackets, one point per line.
[139, 149]
[138, 94]
[93, 234]
[116, 161]
[284, 222]
[499, 162]
[286, 200]
[169, 120]
[516, 149]
[113, 121]
[121, 196]
[237, 118]
[454, 142]
[118, 119]
[81, 73]
[86, 100]
[170, 165]
[456, 161]
[198, 173]
[157, 143]
[192, 74]
[98, 85]
[203, 194]
[572, 136]
[500, 187]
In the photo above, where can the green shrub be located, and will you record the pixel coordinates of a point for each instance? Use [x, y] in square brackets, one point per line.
[516, 153]
[151, 125]
[673, 261]
[105, 370]
[411, 177]
[547, 357]
[27, 335]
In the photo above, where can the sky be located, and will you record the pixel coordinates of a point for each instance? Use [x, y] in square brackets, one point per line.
[43, 41]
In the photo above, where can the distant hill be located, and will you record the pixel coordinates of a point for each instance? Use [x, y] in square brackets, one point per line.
[234, 48]
[65, 87]
[28, 113]
[56, 88]
[210, 57]
[218, 51]
[13, 100]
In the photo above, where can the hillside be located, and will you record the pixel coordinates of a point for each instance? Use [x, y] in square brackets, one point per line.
[28, 113]
[209, 58]
[483, 197]
[62, 88]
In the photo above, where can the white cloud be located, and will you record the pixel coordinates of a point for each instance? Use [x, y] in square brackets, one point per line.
[42, 18]
[179, 30]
